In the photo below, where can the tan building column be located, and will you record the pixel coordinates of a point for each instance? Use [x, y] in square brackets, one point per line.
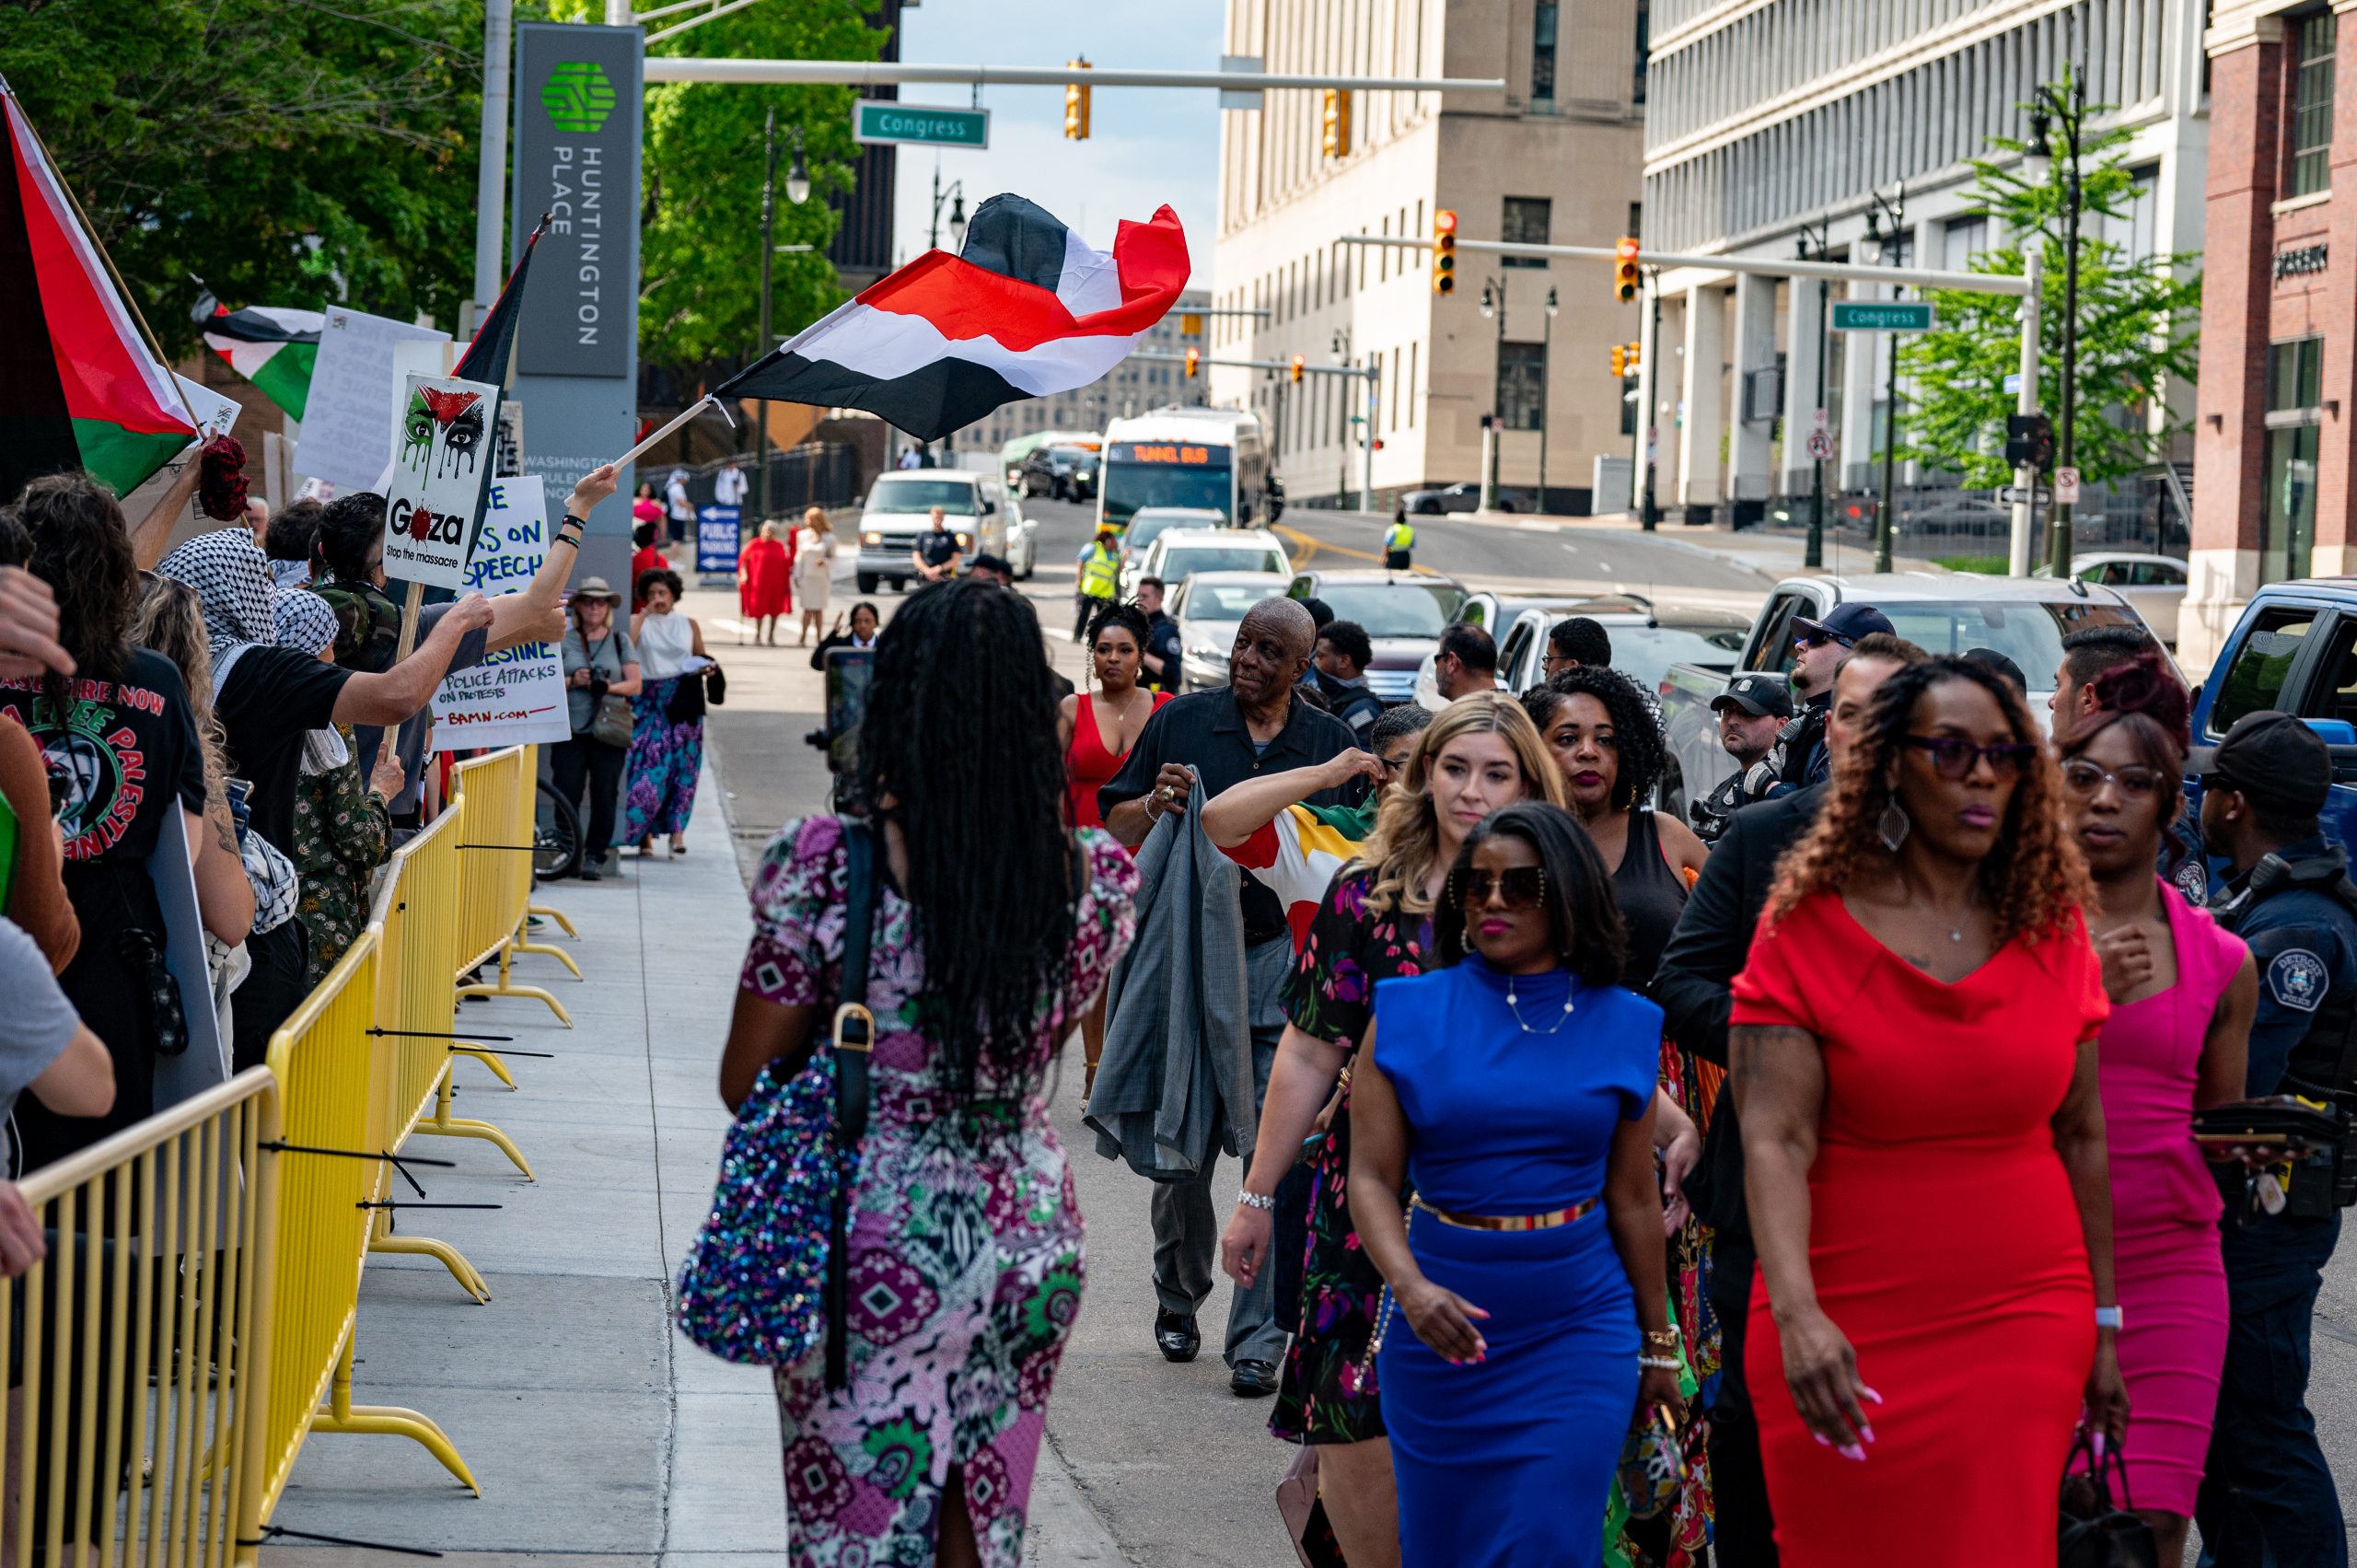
[1699, 397]
[1754, 349]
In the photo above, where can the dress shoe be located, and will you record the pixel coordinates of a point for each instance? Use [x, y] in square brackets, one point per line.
[1176, 1335]
[1253, 1379]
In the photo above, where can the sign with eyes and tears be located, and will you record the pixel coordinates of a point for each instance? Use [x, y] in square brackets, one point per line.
[442, 465]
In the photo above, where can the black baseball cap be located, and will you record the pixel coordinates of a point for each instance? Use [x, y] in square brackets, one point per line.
[1845, 623]
[2272, 758]
[1755, 694]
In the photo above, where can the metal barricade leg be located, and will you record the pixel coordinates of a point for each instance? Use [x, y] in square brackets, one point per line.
[506, 987]
[557, 915]
[450, 1126]
[342, 1415]
[489, 1058]
[382, 1239]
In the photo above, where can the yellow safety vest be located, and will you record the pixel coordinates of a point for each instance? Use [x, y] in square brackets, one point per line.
[1100, 573]
[1402, 537]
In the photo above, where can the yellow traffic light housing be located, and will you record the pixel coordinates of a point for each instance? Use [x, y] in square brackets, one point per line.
[1636, 357]
[1619, 359]
[1335, 119]
[1624, 270]
[1444, 250]
[1194, 362]
[1297, 361]
[1076, 106]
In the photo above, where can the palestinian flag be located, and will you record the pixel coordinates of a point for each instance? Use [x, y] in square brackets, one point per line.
[489, 357]
[79, 389]
[1025, 309]
[273, 348]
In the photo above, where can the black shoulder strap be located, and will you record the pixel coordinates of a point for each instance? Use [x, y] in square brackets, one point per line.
[859, 926]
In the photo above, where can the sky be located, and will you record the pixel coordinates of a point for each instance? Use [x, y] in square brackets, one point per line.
[1146, 145]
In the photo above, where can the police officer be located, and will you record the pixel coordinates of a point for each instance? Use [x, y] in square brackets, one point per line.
[1099, 579]
[1398, 541]
[1752, 711]
[1819, 647]
[2268, 1496]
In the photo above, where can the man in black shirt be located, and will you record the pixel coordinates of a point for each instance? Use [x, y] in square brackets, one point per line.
[1251, 726]
[1345, 651]
[1162, 654]
[935, 556]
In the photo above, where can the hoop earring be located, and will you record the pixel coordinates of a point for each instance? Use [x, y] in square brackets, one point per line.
[1893, 827]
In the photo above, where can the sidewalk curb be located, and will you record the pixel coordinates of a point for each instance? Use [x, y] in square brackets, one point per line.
[1063, 1528]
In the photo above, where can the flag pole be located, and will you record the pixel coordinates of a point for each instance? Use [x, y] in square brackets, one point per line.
[685, 414]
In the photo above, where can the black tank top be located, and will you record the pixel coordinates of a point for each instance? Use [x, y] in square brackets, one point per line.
[1651, 896]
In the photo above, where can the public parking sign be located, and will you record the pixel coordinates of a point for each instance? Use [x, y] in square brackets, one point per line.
[888, 121]
[1882, 316]
[718, 536]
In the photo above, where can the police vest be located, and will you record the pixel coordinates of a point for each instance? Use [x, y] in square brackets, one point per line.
[1100, 573]
[1402, 537]
[2323, 1066]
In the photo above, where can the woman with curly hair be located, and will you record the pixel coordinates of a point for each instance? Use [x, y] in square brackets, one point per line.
[1913, 1052]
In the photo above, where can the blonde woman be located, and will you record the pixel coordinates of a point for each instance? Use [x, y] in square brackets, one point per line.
[814, 561]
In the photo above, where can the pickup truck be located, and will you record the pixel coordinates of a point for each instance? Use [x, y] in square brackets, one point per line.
[2025, 619]
[2294, 650]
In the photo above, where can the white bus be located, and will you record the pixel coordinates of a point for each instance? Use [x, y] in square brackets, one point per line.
[1185, 457]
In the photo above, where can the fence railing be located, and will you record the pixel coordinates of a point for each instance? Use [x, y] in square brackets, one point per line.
[495, 874]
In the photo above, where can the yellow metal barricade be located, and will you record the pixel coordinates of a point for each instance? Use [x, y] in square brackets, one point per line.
[495, 874]
[134, 1434]
[329, 1090]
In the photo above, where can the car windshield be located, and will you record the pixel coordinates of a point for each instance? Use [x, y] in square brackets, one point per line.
[2029, 634]
[1226, 601]
[1186, 558]
[1143, 532]
[1644, 654]
[1395, 609]
[951, 495]
[1074, 454]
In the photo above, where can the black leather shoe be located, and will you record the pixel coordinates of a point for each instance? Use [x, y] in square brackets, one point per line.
[1176, 1335]
[1253, 1379]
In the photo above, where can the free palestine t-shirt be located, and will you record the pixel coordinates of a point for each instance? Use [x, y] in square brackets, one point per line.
[127, 749]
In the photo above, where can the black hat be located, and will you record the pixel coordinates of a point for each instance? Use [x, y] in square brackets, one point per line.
[1758, 696]
[2272, 758]
[1845, 623]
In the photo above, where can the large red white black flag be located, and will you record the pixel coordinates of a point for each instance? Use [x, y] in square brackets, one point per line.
[1025, 309]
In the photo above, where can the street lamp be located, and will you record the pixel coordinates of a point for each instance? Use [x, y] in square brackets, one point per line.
[797, 173]
[1894, 212]
[956, 197]
[1813, 559]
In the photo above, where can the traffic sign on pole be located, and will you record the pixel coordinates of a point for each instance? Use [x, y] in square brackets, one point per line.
[2015, 495]
[1820, 446]
[885, 120]
[2066, 486]
[1882, 316]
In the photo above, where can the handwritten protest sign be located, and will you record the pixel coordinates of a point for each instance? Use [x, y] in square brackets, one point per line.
[440, 473]
[517, 695]
[345, 440]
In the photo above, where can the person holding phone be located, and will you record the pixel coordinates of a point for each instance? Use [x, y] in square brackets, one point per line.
[857, 631]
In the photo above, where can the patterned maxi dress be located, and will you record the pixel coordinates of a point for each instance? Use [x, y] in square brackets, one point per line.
[966, 1242]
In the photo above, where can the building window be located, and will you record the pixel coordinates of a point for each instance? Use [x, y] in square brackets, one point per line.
[1644, 46]
[1526, 224]
[2294, 395]
[1967, 238]
[2312, 106]
[1542, 55]
[1522, 394]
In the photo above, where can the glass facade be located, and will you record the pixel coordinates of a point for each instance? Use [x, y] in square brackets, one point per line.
[2295, 389]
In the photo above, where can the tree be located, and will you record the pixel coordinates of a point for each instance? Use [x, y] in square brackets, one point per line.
[2139, 319]
[287, 151]
[699, 241]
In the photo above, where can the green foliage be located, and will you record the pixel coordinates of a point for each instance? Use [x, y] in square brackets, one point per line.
[286, 152]
[1988, 565]
[2138, 329]
[700, 261]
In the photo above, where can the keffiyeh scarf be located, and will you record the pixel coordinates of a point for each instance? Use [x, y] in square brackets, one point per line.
[306, 624]
[231, 577]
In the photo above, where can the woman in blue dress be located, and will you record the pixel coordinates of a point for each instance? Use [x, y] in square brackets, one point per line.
[1514, 1091]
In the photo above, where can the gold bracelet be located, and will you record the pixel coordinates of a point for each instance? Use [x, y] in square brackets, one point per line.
[1661, 1338]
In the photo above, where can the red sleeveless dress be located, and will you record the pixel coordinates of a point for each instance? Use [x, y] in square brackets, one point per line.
[1087, 765]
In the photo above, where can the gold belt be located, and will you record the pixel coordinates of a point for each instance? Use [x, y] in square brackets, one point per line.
[1548, 1221]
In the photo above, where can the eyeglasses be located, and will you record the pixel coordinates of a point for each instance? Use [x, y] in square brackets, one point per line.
[2082, 777]
[1954, 758]
[1521, 888]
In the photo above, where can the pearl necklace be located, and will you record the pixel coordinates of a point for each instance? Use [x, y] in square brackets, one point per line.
[1514, 1005]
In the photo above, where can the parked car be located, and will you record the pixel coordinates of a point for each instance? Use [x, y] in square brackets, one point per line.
[1404, 614]
[1179, 552]
[1060, 472]
[2154, 584]
[1150, 523]
[1022, 532]
[2294, 649]
[2023, 617]
[1451, 498]
[1646, 639]
[899, 507]
[1209, 605]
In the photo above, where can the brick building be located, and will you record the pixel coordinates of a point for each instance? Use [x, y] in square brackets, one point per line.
[2273, 452]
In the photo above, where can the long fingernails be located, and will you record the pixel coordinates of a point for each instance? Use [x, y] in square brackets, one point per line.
[1869, 1393]
[1865, 1432]
[1852, 1451]
[1823, 1440]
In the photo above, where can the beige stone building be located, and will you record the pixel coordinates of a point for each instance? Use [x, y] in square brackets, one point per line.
[1557, 158]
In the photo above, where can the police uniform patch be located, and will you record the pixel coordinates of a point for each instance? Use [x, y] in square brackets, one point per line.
[2298, 979]
[2193, 881]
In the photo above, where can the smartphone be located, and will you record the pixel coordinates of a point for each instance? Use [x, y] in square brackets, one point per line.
[850, 672]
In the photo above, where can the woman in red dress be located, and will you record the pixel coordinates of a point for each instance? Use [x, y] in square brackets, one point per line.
[763, 590]
[1099, 729]
[1914, 1059]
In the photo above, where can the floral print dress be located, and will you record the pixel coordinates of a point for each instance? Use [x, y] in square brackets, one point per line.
[1321, 1396]
[965, 1244]
[342, 832]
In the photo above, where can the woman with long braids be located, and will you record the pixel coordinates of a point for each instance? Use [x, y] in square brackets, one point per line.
[1913, 1054]
[966, 1243]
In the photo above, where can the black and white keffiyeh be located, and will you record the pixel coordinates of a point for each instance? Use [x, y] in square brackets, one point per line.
[231, 577]
[306, 625]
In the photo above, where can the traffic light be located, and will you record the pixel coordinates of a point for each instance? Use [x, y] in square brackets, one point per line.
[1444, 250]
[1336, 118]
[1621, 359]
[1076, 106]
[1624, 270]
[1298, 362]
[1194, 362]
[2029, 441]
[1636, 357]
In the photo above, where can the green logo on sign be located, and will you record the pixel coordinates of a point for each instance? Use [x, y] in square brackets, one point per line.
[578, 95]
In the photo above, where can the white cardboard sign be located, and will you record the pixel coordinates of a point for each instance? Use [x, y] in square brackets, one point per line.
[515, 695]
[441, 467]
[345, 440]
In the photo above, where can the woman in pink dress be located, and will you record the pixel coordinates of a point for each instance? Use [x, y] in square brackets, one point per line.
[2182, 995]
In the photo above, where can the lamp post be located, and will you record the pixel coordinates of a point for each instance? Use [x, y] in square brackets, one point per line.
[1546, 366]
[1341, 344]
[2062, 115]
[1494, 307]
[956, 197]
[798, 191]
[1894, 212]
[1813, 559]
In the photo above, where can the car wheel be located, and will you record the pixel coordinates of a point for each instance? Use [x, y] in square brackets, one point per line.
[1504, 505]
[1429, 508]
[867, 581]
[899, 585]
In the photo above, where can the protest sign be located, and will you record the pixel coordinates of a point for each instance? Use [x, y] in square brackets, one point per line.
[717, 540]
[515, 695]
[215, 413]
[345, 440]
[435, 494]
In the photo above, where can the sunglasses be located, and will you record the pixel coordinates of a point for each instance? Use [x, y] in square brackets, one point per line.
[1522, 887]
[1819, 639]
[1954, 758]
[2082, 777]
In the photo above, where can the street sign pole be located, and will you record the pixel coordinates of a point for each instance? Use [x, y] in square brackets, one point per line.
[2025, 402]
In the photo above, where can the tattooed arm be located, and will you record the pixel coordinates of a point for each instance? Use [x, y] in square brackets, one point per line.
[225, 900]
[1777, 1075]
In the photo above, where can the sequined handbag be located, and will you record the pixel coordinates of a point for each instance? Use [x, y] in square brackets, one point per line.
[767, 1279]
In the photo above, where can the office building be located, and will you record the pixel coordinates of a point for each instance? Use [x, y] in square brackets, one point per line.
[1132, 387]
